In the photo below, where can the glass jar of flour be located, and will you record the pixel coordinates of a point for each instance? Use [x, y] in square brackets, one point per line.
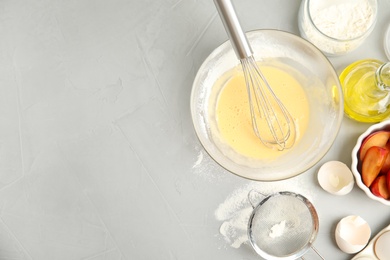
[337, 26]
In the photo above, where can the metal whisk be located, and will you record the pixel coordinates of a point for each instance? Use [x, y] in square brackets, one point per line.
[271, 121]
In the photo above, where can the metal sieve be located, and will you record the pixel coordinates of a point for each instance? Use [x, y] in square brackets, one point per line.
[283, 225]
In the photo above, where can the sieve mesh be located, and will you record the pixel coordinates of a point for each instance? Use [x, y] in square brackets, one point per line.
[283, 226]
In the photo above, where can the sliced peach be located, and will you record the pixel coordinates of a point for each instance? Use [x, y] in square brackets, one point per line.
[379, 138]
[372, 163]
[386, 165]
[379, 187]
[388, 180]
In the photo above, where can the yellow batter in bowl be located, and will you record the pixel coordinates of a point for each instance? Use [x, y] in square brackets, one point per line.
[233, 114]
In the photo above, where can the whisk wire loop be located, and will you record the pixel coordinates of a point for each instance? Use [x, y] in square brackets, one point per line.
[271, 121]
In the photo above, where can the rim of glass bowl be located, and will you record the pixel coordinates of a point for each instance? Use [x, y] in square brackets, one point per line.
[387, 41]
[370, 29]
[203, 131]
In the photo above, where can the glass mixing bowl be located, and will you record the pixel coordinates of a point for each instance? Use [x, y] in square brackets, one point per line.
[319, 81]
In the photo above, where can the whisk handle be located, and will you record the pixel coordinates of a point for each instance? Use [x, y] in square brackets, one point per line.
[233, 28]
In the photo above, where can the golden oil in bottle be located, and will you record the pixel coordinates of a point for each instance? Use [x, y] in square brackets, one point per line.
[366, 96]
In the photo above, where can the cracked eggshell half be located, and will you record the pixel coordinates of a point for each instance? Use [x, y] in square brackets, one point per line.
[352, 234]
[336, 178]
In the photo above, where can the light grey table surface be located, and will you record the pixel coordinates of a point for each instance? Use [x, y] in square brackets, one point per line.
[98, 155]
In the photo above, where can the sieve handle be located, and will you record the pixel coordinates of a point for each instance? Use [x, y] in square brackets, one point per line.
[250, 196]
[315, 251]
[233, 28]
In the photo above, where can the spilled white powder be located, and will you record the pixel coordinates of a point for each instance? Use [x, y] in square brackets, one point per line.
[198, 161]
[204, 168]
[235, 211]
[346, 21]
[277, 230]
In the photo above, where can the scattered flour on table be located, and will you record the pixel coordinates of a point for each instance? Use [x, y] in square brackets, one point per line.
[198, 161]
[235, 211]
[206, 168]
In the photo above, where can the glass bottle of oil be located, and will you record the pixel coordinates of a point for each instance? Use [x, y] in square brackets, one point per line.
[366, 88]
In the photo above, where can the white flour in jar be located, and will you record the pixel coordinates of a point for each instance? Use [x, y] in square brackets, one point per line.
[345, 21]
